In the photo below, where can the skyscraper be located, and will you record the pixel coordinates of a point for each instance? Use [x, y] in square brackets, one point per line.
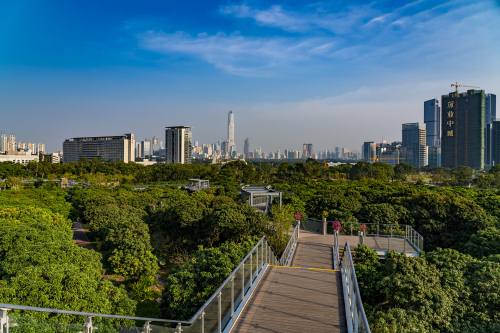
[246, 148]
[178, 144]
[463, 129]
[495, 142]
[230, 133]
[11, 143]
[7, 143]
[369, 151]
[3, 143]
[490, 117]
[307, 150]
[432, 119]
[146, 150]
[414, 145]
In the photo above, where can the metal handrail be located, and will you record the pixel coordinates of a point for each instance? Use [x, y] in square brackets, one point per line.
[287, 256]
[356, 319]
[264, 256]
[402, 231]
[228, 279]
[336, 251]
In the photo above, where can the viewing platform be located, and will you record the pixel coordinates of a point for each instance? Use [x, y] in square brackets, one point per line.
[312, 287]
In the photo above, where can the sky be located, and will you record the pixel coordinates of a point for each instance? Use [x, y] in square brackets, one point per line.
[332, 73]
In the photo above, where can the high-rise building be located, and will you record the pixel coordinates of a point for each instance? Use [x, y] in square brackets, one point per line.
[369, 151]
[495, 142]
[338, 152]
[490, 117]
[7, 143]
[307, 150]
[146, 149]
[178, 144]
[3, 143]
[246, 148]
[138, 150]
[108, 148]
[432, 119]
[414, 145]
[40, 148]
[231, 143]
[463, 127]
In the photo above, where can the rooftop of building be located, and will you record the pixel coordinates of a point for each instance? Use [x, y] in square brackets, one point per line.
[257, 189]
[101, 138]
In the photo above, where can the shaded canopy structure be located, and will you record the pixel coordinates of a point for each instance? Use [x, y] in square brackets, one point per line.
[261, 197]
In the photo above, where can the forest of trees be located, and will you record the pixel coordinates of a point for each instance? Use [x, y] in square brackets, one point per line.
[156, 249]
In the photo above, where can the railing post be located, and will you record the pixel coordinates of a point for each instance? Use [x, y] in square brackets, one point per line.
[232, 296]
[203, 322]
[324, 226]
[265, 253]
[251, 267]
[4, 321]
[219, 319]
[404, 245]
[88, 327]
[243, 281]
[257, 260]
[147, 327]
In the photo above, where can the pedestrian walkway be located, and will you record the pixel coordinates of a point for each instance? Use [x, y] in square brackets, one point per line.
[307, 296]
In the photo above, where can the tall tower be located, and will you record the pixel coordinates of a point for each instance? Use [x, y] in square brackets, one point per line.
[432, 119]
[369, 151]
[463, 129]
[414, 145]
[246, 148]
[178, 144]
[490, 117]
[230, 133]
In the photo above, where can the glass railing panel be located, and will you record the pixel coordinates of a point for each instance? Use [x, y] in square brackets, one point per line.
[30, 322]
[196, 327]
[238, 286]
[255, 257]
[248, 267]
[22, 322]
[261, 255]
[212, 316]
[226, 304]
[157, 328]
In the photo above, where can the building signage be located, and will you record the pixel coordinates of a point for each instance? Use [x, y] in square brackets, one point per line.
[450, 118]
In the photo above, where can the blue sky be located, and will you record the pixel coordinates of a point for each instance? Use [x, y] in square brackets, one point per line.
[327, 72]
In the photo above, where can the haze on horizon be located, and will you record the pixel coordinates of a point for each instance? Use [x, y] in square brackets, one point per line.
[329, 72]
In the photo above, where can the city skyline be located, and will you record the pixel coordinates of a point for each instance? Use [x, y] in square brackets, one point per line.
[295, 72]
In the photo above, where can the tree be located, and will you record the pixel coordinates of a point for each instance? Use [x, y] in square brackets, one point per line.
[484, 243]
[191, 285]
[414, 285]
[41, 266]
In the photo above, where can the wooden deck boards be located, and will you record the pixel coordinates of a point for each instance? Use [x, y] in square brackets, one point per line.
[298, 299]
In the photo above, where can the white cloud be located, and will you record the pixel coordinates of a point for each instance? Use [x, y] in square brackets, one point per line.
[293, 21]
[406, 35]
[236, 54]
[274, 16]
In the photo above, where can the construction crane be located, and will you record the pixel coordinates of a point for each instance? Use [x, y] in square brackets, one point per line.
[456, 85]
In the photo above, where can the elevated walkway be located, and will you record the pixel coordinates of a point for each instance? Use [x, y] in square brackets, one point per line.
[301, 292]
[304, 296]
